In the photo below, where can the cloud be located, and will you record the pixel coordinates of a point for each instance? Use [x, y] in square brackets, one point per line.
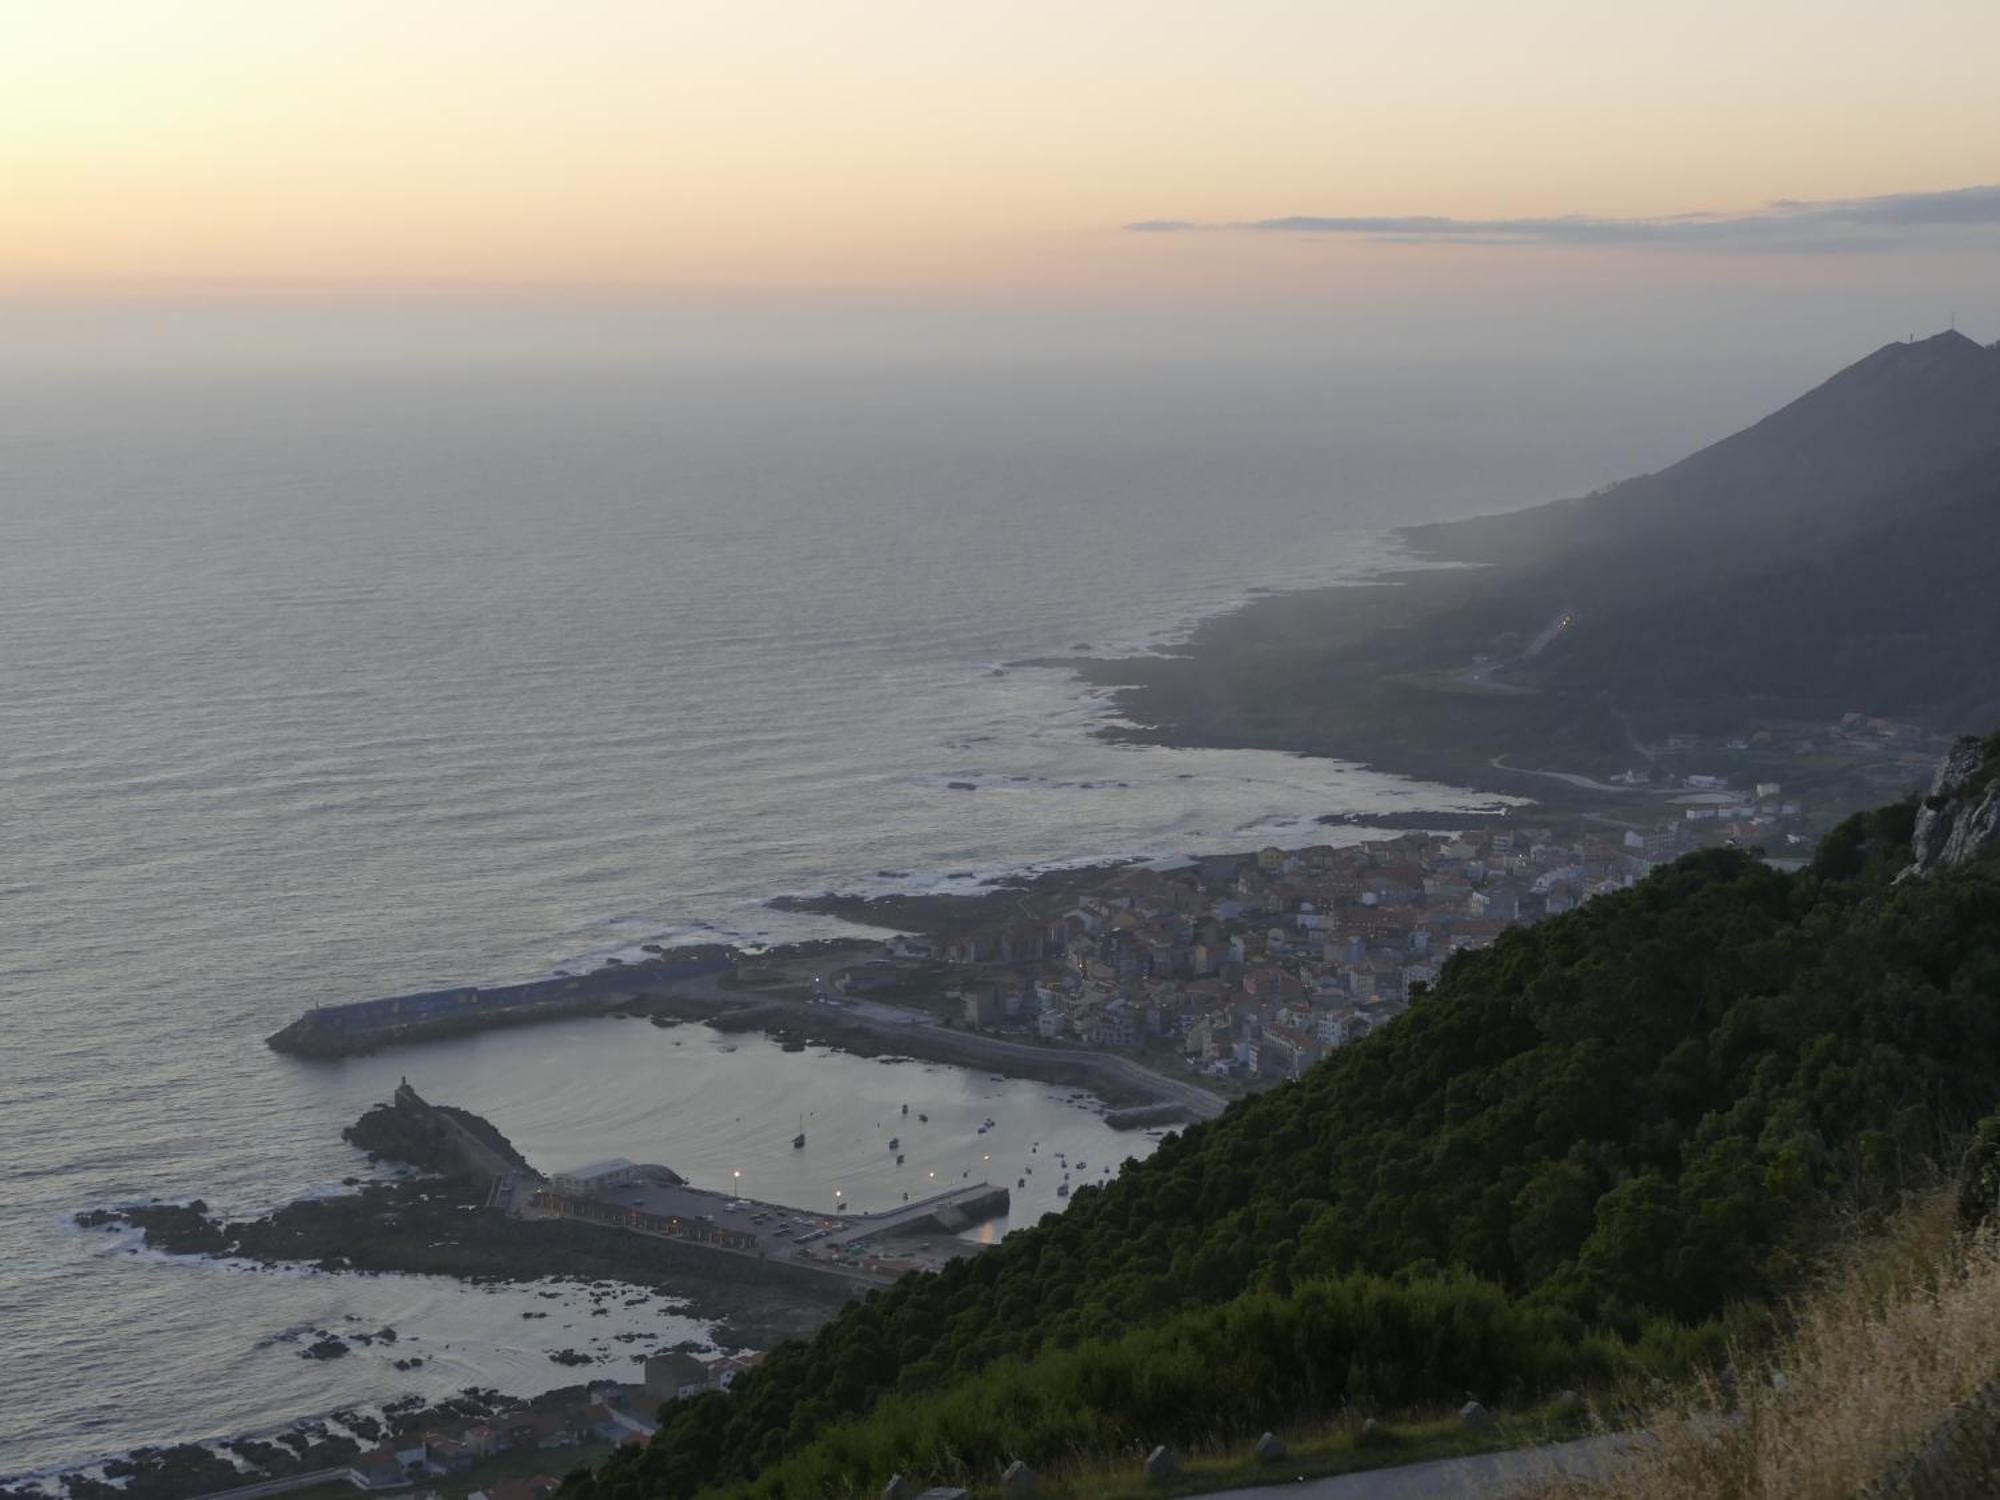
[1895, 220]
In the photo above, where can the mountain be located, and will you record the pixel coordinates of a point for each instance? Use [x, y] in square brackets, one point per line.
[1905, 413]
[1609, 1144]
[1832, 557]
[1901, 615]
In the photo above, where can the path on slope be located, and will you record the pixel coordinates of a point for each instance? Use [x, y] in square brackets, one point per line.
[1486, 1475]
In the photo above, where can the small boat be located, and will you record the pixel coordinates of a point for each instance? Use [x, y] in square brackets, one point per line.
[899, 1158]
[1081, 1165]
[906, 1109]
[1063, 1191]
[1020, 1182]
[799, 1140]
[895, 1141]
[925, 1119]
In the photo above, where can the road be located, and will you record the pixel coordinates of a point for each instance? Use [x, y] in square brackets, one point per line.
[1569, 778]
[1487, 1475]
[894, 1024]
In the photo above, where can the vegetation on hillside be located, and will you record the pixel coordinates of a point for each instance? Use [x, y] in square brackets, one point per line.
[1592, 1148]
[1887, 1378]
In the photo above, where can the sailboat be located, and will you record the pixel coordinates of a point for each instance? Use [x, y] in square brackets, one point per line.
[799, 1140]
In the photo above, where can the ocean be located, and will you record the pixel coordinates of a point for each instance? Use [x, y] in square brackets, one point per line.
[325, 678]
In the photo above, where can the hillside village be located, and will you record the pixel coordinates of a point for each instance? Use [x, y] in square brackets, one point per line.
[1252, 967]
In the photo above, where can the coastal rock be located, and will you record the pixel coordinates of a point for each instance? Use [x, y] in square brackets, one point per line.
[1271, 1448]
[328, 1347]
[1162, 1464]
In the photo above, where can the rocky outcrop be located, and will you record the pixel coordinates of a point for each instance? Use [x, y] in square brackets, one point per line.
[1960, 819]
[436, 1137]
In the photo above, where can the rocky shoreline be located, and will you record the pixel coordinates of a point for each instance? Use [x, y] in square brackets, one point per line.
[172, 1471]
[437, 1223]
[442, 1226]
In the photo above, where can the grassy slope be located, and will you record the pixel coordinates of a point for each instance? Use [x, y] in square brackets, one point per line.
[1879, 1356]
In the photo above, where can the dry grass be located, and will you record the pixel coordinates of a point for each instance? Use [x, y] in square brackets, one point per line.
[1907, 1326]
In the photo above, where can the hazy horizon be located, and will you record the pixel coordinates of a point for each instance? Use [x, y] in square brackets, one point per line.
[1105, 155]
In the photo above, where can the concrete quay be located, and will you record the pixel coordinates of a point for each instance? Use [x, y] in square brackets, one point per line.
[874, 1248]
[369, 1025]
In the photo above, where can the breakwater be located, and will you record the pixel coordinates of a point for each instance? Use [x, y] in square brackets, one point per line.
[365, 1025]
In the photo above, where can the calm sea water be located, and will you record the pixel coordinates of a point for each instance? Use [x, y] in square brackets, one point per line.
[328, 679]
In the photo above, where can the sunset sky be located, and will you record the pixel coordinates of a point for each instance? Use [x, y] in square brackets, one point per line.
[959, 147]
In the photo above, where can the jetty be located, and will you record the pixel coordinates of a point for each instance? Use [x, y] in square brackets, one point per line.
[873, 1248]
[368, 1025]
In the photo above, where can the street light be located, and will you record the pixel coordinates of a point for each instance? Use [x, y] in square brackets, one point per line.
[737, 1173]
[985, 1168]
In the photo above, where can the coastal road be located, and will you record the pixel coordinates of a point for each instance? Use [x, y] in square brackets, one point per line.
[896, 1026]
[1486, 1475]
[976, 1049]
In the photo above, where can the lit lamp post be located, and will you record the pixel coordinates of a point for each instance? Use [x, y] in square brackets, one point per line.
[986, 1168]
[836, 1200]
[737, 1173]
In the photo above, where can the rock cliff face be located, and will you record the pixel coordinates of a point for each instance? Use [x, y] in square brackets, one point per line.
[1960, 819]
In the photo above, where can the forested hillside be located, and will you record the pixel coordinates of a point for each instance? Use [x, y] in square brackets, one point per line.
[1587, 1147]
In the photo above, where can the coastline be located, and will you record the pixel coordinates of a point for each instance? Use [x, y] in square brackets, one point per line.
[314, 1237]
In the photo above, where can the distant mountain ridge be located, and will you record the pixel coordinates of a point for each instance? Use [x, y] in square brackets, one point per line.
[1837, 555]
[1907, 412]
[1901, 616]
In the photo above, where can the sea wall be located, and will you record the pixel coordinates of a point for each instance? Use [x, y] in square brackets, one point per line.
[364, 1025]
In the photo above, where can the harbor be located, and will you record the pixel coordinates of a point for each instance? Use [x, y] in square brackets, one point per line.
[873, 1247]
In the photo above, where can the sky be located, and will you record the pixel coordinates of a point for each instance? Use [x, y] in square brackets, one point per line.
[1332, 153]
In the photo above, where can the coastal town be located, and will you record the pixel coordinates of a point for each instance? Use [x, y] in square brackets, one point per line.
[1163, 988]
[1248, 968]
